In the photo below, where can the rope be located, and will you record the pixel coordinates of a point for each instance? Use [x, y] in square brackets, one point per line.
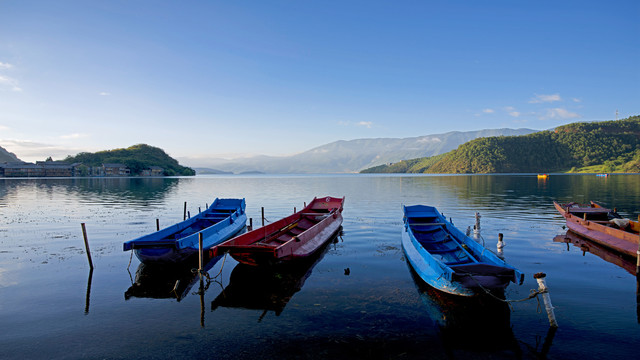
[532, 294]
[209, 278]
[224, 259]
[131, 257]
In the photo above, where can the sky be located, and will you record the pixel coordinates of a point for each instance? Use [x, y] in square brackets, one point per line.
[206, 79]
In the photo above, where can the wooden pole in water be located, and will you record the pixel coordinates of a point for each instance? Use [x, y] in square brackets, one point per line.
[157, 225]
[250, 224]
[294, 209]
[184, 216]
[542, 286]
[88, 297]
[263, 216]
[86, 245]
[500, 245]
[476, 228]
[200, 255]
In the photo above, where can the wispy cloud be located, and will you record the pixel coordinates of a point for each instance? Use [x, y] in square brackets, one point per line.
[73, 136]
[576, 100]
[6, 81]
[488, 111]
[367, 124]
[538, 98]
[3, 128]
[559, 113]
[104, 93]
[512, 111]
[28, 150]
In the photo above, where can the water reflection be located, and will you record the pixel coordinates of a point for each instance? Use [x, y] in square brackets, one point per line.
[162, 281]
[267, 288]
[602, 252]
[476, 324]
[90, 190]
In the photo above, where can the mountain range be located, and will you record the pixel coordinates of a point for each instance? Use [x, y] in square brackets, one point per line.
[351, 156]
[6, 156]
[588, 147]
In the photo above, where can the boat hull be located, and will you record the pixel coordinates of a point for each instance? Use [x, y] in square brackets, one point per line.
[448, 260]
[177, 243]
[296, 236]
[599, 231]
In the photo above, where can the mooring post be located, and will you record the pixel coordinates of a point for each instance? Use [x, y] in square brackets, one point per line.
[184, 216]
[86, 245]
[199, 210]
[200, 255]
[476, 228]
[294, 209]
[250, 224]
[157, 224]
[542, 287]
[263, 216]
[500, 245]
[188, 214]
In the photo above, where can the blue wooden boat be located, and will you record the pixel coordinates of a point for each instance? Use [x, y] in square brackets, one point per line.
[447, 259]
[222, 220]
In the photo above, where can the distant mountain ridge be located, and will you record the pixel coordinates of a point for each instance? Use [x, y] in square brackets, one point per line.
[6, 156]
[350, 156]
[604, 146]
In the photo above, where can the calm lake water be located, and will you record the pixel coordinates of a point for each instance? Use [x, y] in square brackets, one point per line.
[357, 299]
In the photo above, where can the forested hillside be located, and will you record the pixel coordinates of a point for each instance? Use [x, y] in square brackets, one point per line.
[607, 146]
[136, 158]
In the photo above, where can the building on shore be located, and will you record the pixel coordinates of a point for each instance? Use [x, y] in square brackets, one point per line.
[60, 169]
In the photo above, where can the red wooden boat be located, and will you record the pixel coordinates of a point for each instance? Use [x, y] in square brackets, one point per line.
[295, 236]
[602, 226]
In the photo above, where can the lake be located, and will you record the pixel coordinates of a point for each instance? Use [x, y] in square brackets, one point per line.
[356, 299]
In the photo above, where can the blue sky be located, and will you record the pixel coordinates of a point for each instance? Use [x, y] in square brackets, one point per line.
[226, 78]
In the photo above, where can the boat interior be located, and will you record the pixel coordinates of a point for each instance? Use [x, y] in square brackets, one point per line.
[289, 232]
[206, 220]
[432, 235]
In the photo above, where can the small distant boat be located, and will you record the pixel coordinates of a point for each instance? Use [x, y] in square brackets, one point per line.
[602, 226]
[223, 219]
[447, 259]
[296, 236]
[543, 176]
[602, 175]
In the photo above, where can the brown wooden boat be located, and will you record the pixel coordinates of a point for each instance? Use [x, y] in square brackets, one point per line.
[602, 226]
[295, 236]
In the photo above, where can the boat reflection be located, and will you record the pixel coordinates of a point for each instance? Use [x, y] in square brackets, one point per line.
[602, 252]
[162, 281]
[267, 288]
[474, 324]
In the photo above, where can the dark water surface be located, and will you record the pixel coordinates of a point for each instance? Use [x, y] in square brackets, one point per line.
[51, 306]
